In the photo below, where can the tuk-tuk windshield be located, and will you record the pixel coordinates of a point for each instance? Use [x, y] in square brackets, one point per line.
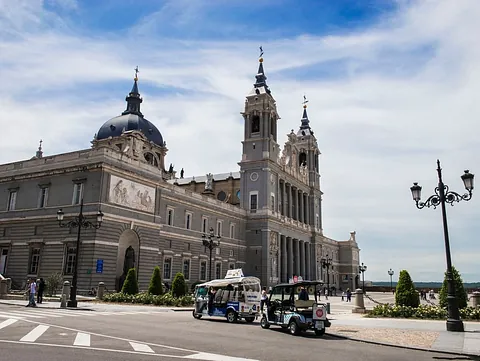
[201, 291]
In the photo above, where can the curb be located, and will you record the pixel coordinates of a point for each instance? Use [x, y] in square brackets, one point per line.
[403, 347]
[182, 310]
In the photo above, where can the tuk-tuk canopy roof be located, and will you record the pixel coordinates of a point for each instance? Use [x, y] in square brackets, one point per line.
[230, 281]
[299, 283]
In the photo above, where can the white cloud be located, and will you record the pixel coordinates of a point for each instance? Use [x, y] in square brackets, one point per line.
[381, 122]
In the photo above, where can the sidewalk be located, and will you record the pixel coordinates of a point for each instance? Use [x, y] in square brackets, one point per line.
[428, 335]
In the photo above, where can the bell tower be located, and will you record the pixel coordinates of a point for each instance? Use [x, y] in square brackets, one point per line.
[260, 147]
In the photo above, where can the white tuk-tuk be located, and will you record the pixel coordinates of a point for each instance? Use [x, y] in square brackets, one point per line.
[235, 297]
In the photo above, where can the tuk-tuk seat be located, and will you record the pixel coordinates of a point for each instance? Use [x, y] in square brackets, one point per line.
[304, 304]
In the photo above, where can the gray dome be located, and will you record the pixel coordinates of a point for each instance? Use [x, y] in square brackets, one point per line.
[116, 126]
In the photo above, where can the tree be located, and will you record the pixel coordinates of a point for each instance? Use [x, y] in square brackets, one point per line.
[156, 287]
[405, 293]
[178, 285]
[53, 284]
[130, 286]
[460, 292]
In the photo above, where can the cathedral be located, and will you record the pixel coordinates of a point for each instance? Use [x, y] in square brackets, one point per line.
[100, 211]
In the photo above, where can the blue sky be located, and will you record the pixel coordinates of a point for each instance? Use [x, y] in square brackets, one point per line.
[393, 85]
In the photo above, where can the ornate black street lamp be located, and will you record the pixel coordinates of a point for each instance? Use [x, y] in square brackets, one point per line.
[362, 268]
[326, 264]
[208, 242]
[442, 196]
[390, 273]
[78, 222]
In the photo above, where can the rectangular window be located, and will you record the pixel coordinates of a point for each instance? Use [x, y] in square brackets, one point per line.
[186, 269]
[203, 270]
[188, 220]
[272, 202]
[217, 251]
[231, 253]
[12, 201]
[167, 268]
[170, 215]
[317, 223]
[253, 202]
[232, 230]
[77, 193]
[218, 270]
[70, 261]
[219, 228]
[204, 224]
[231, 265]
[42, 201]
[34, 261]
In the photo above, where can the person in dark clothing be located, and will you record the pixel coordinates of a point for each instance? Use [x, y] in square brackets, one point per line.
[41, 288]
[211, 297]
[303, 295]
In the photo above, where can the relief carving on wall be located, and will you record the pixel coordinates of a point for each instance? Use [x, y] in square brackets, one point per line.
[131, 194]
[273, 248]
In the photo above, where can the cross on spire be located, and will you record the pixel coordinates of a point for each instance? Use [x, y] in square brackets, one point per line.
[305, 101]
[136, 73]
[261, 51]
[40, 145]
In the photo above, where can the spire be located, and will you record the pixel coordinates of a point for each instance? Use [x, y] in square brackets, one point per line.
[39, 153]
[260, 77]
[305, 121]
[133, 99]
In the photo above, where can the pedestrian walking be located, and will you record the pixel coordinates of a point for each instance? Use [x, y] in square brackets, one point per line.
[32, 291]
[40, 290]
[263, 299]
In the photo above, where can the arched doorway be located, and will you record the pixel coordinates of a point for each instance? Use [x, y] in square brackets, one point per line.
[127, 256]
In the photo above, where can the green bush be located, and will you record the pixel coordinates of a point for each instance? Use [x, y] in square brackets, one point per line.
[405, 293]
[130, 286]
[460, 292]
[156, 287]
[53, 283]
[431, 312]
[178, 285]
[147, 299]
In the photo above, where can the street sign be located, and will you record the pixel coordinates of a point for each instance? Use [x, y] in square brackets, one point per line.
[99, 266]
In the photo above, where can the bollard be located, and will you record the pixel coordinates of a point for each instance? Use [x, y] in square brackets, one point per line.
[63, 301]
[3, 288]
[9, 284]
[476, 299]
[359, 305]
[328, 308]
[66, 288]
[101, 289]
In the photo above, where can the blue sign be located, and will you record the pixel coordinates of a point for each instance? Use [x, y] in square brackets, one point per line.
[99, 265]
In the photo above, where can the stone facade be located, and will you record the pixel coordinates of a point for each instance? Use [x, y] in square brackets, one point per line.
[268, 215]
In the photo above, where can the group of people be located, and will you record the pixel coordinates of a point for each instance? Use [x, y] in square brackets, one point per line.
[347, 295]
[35, 288]
[431, 294]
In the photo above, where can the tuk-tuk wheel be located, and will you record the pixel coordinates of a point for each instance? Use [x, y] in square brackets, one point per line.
[320, 332]
[264, 323]
[231, 316]
[196, 315]
[293, 328]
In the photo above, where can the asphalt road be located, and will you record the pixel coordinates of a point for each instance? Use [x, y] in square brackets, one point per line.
[40, 334]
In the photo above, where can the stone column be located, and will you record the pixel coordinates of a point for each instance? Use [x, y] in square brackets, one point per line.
[296, 204]
[309, 260]
[301, 245]
[289, 257]
[300, 206]
[296, 244]
[289, 213]
[280, 257]
[284, 194]
[283, 247]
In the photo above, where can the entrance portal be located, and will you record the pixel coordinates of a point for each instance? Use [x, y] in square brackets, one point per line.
[127, 257]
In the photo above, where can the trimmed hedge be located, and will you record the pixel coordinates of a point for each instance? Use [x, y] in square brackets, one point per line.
[156, 287]
[460, 292]
[130, 286]
[423, 312]
[149, 299]
[405, 293]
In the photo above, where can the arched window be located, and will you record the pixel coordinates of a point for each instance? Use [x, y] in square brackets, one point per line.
[255, 124]
[302, 159]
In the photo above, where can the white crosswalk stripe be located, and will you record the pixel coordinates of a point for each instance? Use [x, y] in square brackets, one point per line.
[82, 339]
[46, 313]
[7, 323]
[141, 347]
[34, 334]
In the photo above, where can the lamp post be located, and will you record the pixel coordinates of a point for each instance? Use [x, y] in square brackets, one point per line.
[326, 263]
[442, 196]
[78, 222]
[209, 242]
[362, 268]
[390, 273]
